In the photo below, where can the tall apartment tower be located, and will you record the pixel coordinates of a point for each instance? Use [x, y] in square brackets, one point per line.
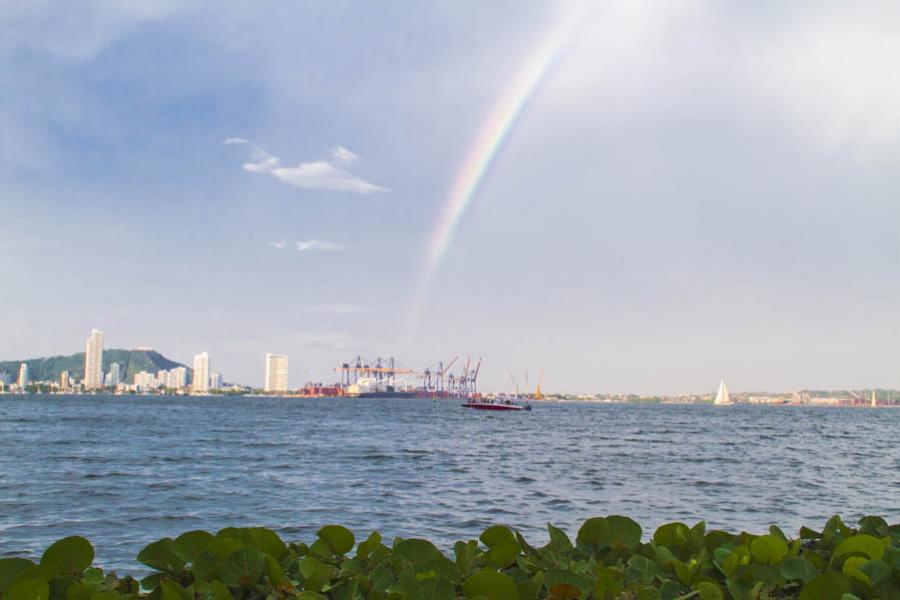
[200, 384]
[114, 374]
[64, 381]
[276, 373]
[93, 361]
[23, 376]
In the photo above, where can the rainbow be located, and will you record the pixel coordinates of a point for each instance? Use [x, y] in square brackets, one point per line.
[484, 149]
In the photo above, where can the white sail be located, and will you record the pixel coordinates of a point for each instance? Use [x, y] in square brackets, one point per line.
[722, 395]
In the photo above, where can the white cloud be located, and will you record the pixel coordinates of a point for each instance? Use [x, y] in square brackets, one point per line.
[343, 155]
[280, 244]
[318, 245]
[316, 175]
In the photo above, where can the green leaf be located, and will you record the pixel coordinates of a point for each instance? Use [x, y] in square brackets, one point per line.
[222, 548]
[707, 590]
[338, 538]
[594, 532]
[866, 544]
[877, 572]
[161, 556]
[169, 590]
[268, 542]
[73, 554]
[827, 586]
[365, 548]
[497, 534]
[851, 569]
[432, 588]
[28, 589]
[794, 567]
[671, 535]
[12, 568]
[623, 532]
[220, 591]
[416, 551]
[243, 568]
[556, 577]
[504, 553]
[492, 585]
[275, 573]
[530, 589]
[188, 546]
[739, 556]
[112, 595]
[875, 526]
[768, 549]
[81, 591]
[206, 567]
[559, 541]
[641, 570]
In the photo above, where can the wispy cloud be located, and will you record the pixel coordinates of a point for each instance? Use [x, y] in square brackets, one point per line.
[327, 174]
[318, 245]
[310, 245]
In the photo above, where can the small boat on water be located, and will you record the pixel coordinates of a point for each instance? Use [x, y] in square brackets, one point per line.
[722, 398]
[498, 403]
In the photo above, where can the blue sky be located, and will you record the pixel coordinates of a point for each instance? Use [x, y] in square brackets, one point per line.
[693, 191]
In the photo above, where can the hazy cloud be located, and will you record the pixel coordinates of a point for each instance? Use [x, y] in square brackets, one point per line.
[280, 244]
[316, 175]
[337, 309]
[313, 245]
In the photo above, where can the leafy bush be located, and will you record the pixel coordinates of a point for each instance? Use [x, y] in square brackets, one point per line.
[607, 560]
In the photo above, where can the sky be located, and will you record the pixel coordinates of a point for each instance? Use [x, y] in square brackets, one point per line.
[632, 197]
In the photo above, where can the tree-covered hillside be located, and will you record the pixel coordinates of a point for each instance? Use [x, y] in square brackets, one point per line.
[130, 362]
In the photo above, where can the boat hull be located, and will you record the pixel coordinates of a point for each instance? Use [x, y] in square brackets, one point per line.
[492, 406]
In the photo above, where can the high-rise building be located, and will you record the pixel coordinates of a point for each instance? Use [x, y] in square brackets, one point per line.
[276, 373]
[93, 361]
[114, 375]
[64, 381]
[176, 378]
[215, 381]
[23, 376]
[144, 381]
[200, 384]
[162, 378]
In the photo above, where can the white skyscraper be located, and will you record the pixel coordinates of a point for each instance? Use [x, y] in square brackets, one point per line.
[93, 361]
[200, 384]
[23, 376]
[114, 375]
[215, 381]
[276, 373]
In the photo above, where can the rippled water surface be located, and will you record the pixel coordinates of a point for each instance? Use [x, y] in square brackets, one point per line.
[125, 471]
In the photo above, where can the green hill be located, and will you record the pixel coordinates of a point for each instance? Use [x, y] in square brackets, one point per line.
[130, 362]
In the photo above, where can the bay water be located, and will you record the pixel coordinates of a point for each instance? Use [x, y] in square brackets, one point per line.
[127, 470]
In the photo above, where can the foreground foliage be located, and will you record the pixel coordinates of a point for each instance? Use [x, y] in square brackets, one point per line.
[607, 560]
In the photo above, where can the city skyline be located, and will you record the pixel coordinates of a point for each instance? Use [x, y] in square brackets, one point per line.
[629, 197]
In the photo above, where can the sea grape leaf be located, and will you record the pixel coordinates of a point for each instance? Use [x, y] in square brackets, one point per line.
[877, 572]
[556, 577]
[161, 556]
[189, 545]
[68, 555]
[640, 570]
[113, 595]
[416, 551]
[268, 542]
[869, 545]
[707, 590]
[222, 548]
[365, 548]
[530, 589]
[671, 535]
[433, 588]
[594, 532]
[339, 539]
[170, 590]
[28, 589]
[12, 568]
[492, 585]
[504, 553]
[851, 569]
[768, 549]
[206, 566]
[243, 568]
[497, 534]
[827, 586]
[875, 526]
[623, 532]
[794, 567]
[559, 541]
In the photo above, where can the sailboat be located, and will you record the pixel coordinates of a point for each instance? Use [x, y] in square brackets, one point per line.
[722, 398]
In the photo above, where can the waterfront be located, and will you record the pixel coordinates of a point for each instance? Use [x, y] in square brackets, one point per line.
[124, 471]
